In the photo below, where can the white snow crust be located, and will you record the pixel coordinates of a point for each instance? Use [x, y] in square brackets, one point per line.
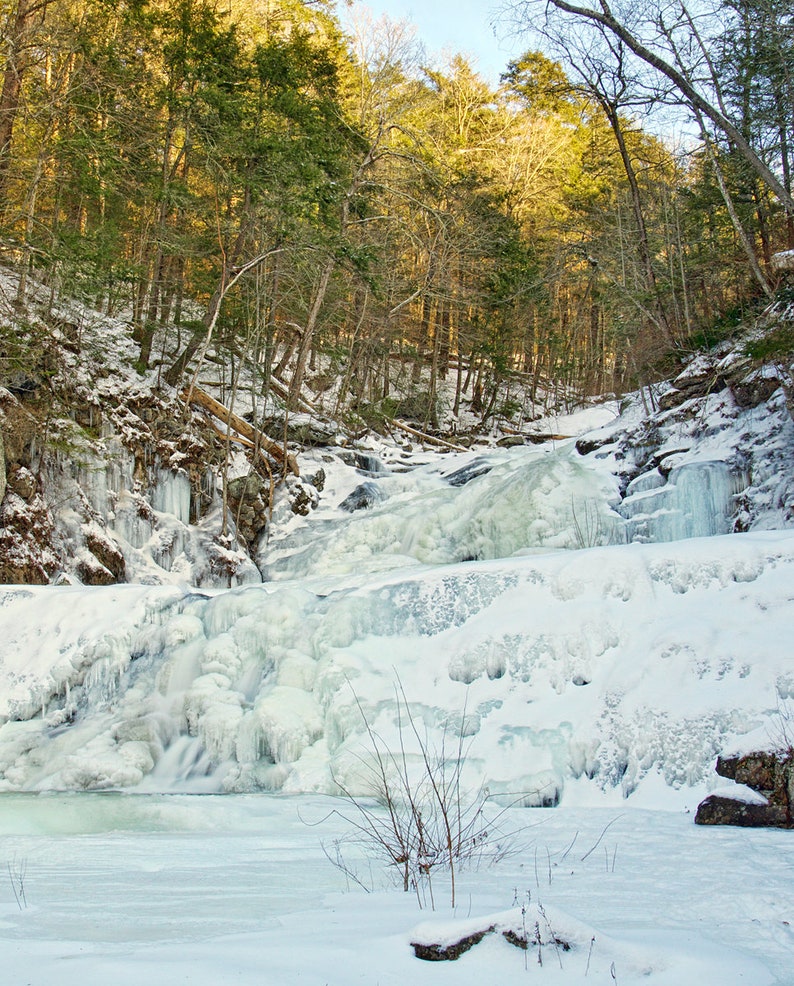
[238, 890]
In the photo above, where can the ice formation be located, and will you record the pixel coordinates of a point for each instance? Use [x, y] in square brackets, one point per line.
[611, 666]
[503, 503]
[576, 635]
[149, 513]
[696, 500]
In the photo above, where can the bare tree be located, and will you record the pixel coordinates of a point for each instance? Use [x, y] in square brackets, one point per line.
[628, 26]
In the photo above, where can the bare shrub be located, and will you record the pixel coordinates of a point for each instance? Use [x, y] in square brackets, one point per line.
[420, 820]
[17, 871]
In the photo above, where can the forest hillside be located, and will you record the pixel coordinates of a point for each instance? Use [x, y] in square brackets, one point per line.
[229, 233]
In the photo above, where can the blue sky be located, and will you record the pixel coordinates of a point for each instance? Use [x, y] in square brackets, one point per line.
[463, 26]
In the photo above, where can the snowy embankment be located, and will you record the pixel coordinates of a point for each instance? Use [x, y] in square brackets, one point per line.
[575, 676]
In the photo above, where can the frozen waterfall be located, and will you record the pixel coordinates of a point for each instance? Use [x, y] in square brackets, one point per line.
[500, 589]
[496, 505]
[605, 669]
[696, 499]
[500, 504]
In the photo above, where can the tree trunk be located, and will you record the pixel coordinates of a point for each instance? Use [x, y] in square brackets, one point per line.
[308, 334]
[639, 216]
[17, 59]
[744, 239]
[198, 345]
[19, 22]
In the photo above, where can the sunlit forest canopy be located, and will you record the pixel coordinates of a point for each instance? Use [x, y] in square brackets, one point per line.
[257, 176]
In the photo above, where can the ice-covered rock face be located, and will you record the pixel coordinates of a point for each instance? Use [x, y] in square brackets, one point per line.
[696, 499]
[504, 503]
[615, 668]
[151, 525]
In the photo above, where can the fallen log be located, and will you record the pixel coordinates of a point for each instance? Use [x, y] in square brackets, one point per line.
[241, 426]
[541, 437]
[430, 439]
[306, 407]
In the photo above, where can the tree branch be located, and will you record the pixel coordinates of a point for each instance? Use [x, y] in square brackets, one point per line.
[606, 19]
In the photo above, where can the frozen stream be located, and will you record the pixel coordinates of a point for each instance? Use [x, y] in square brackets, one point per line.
[581, 670]
[218, 890]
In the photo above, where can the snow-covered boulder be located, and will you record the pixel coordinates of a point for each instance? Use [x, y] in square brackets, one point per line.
[762, 795]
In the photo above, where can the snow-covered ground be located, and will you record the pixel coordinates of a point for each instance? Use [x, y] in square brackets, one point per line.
[215, 891]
